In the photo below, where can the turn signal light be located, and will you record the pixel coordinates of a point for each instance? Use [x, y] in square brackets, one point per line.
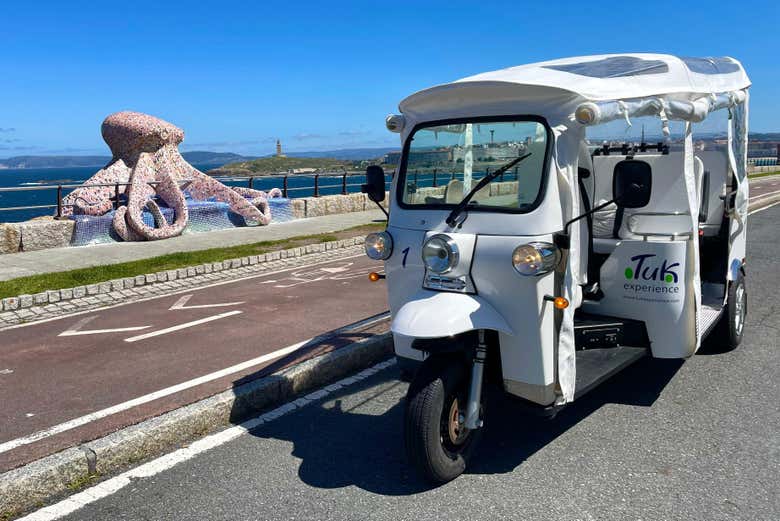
[558, 302]
[374, 276]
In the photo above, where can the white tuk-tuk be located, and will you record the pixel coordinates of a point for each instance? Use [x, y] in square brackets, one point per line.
[519, 254]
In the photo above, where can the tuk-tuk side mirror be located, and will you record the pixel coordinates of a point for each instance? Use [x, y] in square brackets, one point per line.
[632, 183]
[375, 185]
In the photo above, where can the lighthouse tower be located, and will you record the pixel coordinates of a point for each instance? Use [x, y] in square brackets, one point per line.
[279, 149]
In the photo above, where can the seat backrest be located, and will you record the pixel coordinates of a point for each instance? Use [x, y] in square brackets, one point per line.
[716, 164]
[668, 196]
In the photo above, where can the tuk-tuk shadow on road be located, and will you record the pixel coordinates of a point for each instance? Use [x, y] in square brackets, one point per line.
[512, 437]
[340, 442]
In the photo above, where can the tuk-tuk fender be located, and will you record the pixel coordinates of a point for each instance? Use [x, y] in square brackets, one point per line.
[431, 314]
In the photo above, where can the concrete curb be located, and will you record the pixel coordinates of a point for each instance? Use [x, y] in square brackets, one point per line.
[27, 487]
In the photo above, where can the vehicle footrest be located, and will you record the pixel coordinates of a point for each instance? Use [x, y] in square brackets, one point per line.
[596, 365]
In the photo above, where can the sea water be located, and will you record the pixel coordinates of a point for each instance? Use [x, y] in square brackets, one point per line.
[299, 186]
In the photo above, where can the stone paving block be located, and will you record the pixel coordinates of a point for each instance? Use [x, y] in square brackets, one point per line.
[140, 280]
[150, 278]
[217, 266]
[244, 261]
[162, 276]
[104, 287]
[181, 273]
[53, 296]
[208, 268]
[129, 282]
[93, 289]
[252, 260]
[235, 263]
[25, 301]
[79, 292]
[40, 299]
[200, 269]
[173, 274]
[10, 304]
[117, 285]
[66, 294]
[24, 314]
[191, 272]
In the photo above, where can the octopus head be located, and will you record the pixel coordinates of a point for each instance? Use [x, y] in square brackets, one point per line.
[131, 133]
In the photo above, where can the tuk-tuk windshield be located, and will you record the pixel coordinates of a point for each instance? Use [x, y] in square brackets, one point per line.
[444, 162]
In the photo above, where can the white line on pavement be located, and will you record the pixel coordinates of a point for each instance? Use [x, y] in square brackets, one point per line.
[156, 466]
[184, 290]
[767, 207]
[179, 327]
[76, 330]
[182, 304]
[83, 420]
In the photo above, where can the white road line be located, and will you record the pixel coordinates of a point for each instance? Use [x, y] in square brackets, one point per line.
[75, 330]
[767, 207]
[182, 304]
[179, 327]
[83, 420]
[768, 194]
[110, 486]
[185, 290]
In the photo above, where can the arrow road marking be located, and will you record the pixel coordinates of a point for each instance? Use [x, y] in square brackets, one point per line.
[182, 326]
[75, 330]
[182, 304]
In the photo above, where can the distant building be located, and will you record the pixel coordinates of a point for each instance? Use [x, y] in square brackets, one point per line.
[279, 149]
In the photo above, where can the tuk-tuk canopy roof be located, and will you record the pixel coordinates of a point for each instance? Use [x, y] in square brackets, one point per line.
[604, 77]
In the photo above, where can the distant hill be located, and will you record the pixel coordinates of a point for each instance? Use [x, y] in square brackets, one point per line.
[353, 154]
[195, 157]
[274, 165]
[53, 161]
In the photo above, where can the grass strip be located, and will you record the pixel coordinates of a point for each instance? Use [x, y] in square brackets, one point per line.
[93, 275]
[763, 174]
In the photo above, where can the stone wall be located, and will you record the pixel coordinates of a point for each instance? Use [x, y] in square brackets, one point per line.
[35, 235]
[332, 204]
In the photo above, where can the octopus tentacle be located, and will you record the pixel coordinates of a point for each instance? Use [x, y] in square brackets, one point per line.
[203, 187]
[168, 190]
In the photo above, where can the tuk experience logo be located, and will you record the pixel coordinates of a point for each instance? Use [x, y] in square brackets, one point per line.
[647, 276]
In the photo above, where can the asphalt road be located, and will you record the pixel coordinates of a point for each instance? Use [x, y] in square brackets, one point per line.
[62, 371]
[662, 440]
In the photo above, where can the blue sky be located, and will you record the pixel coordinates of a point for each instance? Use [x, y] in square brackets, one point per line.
[320, 75]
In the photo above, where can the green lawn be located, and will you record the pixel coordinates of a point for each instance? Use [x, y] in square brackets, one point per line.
[762, 174]
[83, 276]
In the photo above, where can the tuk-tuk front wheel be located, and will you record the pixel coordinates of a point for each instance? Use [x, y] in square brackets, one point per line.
[437, 441]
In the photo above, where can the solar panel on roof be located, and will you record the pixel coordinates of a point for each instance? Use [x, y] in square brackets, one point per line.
[710, 65]
[613, 67]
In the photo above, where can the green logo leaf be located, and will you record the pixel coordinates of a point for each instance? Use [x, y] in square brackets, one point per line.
[629, 273]
[669, 278]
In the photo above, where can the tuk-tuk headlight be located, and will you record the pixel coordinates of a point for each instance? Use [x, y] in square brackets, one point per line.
[440, 253]
[535, 258]
[379, 245]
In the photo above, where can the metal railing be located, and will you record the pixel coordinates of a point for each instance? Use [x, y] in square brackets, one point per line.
[345, 187]
[762, 161]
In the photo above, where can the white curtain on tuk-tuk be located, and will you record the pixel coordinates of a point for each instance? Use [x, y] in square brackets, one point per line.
[565, 156]
[694, 203]
[737, 151]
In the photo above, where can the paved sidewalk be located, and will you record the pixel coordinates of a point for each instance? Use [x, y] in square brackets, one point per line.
[62, 259]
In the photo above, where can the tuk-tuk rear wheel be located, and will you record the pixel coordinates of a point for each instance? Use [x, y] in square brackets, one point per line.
[437, 442]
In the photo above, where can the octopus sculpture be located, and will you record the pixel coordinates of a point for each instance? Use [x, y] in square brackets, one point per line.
[147, 167]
